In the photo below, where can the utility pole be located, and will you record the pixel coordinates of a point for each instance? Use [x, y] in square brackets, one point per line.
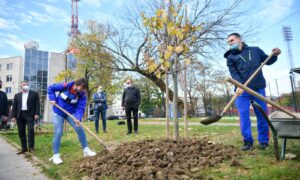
[288, 37]
[278, 93]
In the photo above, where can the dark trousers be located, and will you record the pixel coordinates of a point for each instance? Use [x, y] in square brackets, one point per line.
[103, 117]
[24, 120]
[134, 110]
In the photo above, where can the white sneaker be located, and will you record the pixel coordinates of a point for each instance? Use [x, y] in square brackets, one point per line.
[56, 159]
[88, 152]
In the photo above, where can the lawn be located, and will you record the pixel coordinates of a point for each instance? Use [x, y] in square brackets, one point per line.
[225, 119]
[256, 164]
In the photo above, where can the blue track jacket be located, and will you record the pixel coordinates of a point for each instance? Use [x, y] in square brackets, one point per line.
[77, 109]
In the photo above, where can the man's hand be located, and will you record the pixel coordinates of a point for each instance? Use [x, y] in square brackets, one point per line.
[14, 120]
[77, 122]
[36, 117]
[5, 119]
[239, 91]
[276, 51]
[53, 102]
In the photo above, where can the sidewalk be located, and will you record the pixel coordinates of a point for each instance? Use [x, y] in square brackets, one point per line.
[16, 167]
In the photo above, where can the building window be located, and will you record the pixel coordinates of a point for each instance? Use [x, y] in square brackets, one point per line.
[9, 66]
[8, 90]
[8, 78]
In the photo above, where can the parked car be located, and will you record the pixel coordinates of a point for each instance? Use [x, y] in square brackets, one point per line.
[91, 118]
[112, 117]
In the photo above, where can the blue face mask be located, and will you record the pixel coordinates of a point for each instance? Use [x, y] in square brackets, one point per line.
[234, 46]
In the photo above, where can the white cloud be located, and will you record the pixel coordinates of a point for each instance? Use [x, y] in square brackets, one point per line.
[5, 24]
[275, 9]
[94, 3]
[14, 41]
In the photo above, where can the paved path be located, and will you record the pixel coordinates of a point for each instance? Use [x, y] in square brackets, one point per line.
[193, 124]
[16, 167]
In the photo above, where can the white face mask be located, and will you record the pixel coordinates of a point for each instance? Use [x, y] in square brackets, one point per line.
[100, 90]
[25, 88]
[128, 85]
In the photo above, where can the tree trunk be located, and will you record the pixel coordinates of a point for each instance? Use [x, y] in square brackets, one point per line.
[185, 102]
[175, 98]
[167, 106]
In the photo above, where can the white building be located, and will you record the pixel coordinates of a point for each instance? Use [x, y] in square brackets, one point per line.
[39, 68]
[11, 74]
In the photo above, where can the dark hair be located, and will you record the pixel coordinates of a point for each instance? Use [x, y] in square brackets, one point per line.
[81, 82]
[0, 84]
[234, 34]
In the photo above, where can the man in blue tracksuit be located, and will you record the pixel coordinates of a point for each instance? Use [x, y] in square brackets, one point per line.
[242, 62]
[72, 98]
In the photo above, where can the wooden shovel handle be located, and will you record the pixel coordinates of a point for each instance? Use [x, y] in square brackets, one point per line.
[250, 91]
[81, 124]
[247, 82]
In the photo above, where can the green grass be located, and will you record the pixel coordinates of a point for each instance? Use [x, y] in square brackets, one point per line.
[225, 119]
[256, 164]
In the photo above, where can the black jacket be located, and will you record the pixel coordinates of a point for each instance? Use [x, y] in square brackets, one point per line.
[3, 104]
[33, 104]
[131, 96]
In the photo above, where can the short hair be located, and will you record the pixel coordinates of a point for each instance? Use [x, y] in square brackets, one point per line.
[234, 34]
[81, 82]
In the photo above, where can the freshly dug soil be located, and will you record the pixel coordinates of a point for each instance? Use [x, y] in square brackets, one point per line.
[157, 159]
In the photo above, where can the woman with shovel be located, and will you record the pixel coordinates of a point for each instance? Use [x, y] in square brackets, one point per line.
[242, 62]
[72, 98]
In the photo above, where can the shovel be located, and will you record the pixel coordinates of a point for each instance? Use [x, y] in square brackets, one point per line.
[81, 124]
[215, 118]
[250, 91]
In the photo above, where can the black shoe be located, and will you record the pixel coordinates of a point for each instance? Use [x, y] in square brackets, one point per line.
[22, 151]
[97, 132]
[263, 146]
[247, 146]
[128, 133]
[31, 150]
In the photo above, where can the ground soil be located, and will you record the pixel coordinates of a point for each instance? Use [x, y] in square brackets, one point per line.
[157, 159]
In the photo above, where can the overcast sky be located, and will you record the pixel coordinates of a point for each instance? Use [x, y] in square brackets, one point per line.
[48, 21]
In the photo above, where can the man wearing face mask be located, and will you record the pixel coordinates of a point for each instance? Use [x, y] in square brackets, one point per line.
[100, 107]
[3, 107]
[71, 97]
[130, 102]
[242, 61]
[26, 109]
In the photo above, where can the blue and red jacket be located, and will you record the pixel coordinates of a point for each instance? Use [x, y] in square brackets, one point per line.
[242, 64]
[68, 99]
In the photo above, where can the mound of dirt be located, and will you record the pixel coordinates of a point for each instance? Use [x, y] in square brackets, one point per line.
[157, 159]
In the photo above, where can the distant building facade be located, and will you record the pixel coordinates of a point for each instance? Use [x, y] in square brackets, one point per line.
[38, 67]
[40, 70]
[11, 70]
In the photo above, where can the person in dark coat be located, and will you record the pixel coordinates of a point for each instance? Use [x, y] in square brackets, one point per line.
[3, 107]
[100, 107]
[130, 102]
[26, 109]
[242, 62]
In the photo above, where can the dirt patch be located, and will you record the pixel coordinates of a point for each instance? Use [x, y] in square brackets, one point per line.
[157, 159]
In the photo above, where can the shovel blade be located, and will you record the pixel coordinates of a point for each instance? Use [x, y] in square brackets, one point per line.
[211, 119]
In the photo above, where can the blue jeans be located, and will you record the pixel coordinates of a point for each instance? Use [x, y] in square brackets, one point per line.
[103, 117]
[243, 105]
[58, 122]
